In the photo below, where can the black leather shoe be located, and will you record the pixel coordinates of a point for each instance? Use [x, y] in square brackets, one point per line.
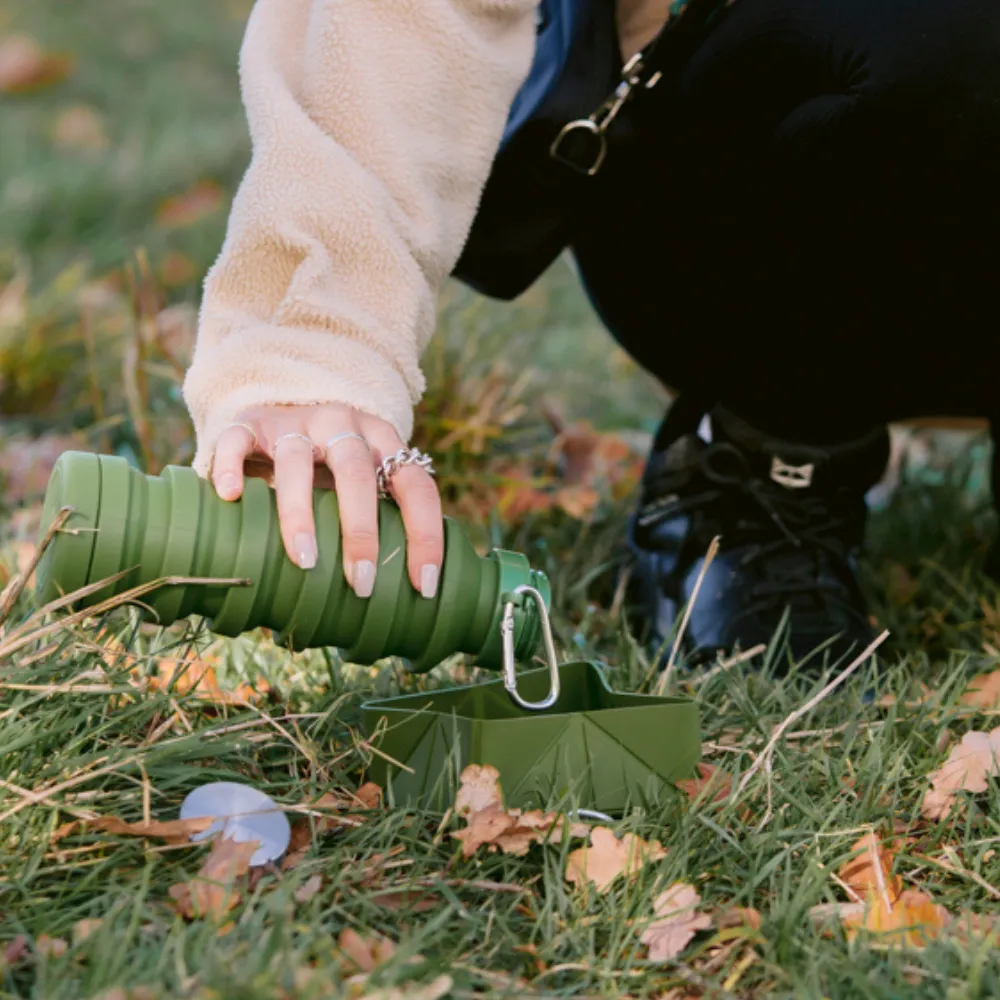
[791, 518]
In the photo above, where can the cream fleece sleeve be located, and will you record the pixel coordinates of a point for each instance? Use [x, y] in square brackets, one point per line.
[374, 124]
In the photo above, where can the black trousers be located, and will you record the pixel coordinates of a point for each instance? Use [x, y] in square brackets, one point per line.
[809, 228]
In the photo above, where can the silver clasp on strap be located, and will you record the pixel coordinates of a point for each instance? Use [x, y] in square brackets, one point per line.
[510, 667]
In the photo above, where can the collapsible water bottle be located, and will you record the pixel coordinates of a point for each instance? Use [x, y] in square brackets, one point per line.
[144, 528]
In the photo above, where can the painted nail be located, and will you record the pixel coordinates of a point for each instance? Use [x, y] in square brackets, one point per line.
[363, 578]
[305, 549]
[428, 581]
[227, 485]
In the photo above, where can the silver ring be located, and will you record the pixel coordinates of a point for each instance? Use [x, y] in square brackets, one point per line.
[391, 465]
[301, 437]
[249, 430]
[337, 438]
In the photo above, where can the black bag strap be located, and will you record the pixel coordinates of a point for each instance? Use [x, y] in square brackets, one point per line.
[582, 144]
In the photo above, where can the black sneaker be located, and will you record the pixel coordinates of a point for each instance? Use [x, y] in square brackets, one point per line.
[791, 518]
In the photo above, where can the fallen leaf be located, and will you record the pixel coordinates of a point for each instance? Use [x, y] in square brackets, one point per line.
[579, 502]
[739, 916]
[83, 929]
[25, 66]
[212, 892]
[911, 921]
[479, 801]
[195, 675]
[50, 947]
[869, 871]
[968, 767]
[14, 951]
[607, 857]
[369, 795]
[479, 790]
[363, 954]
[712, 784]
[308, 889]
[176, 269]
[200, 200]
[983, 691]
[412, 902]
[173, 831]
[677, 922]
[79, 128]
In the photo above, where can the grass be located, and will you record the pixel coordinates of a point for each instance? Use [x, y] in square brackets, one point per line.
[163, 82]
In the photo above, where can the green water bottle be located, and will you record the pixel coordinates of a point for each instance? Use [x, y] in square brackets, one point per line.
[174, 524]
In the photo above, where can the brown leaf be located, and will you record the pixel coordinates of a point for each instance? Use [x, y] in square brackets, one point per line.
[676, 924]
[196, 203]
[739, 916]
[412, 902]
[173, 831]
[195, 675]
[607, 857]
[212, 893]
[369, 795]
[911, 921]
[14, 952]
[363, 954]
[983, 691]
[79, 128]
[50, 947]
[579, 502]
[82, 929]
[479, 790]
[869, 871]
[712, 784]
[968, 767]
[176, 269]
[25, 66]
[308, 889]
[480, 801]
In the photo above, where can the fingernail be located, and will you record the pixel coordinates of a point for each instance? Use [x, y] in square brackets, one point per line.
[305, 549]
[227, 485]
[363, 578]
[428, 581]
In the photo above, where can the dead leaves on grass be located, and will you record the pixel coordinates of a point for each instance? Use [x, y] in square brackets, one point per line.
[607, 857]
[677, 921]
[25, 66]
[968, 768]
[213, 891]
[479, 801]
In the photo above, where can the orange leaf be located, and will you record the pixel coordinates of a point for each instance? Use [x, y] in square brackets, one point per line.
[579, 502]
[911, 921]
[80, 128]
[869, 871]
[607, 857]
[25, 66]
[199, 201]
[739, 916]
[309, 888]
[983, 691]
[176, 269]
[363, 954]
[712, 784]
[212, 893]
[479, 801]
[676, 924]
[50, 947]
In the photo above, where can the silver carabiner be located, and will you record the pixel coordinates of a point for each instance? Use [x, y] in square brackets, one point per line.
[510, 667]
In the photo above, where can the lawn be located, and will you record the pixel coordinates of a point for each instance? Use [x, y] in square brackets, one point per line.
[115, 173]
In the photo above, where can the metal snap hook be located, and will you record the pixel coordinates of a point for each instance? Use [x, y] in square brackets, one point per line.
[509, 665]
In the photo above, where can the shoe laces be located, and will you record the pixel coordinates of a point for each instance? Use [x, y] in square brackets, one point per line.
[787, 538]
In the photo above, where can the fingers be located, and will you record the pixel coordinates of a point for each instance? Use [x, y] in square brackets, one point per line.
[350, 460]
[420, 504]
[236, 443]
[294, 456]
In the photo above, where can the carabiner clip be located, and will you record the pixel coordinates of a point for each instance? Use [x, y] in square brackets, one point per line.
[510, 667]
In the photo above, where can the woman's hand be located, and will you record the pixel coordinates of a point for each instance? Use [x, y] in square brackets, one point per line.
[282, 433]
